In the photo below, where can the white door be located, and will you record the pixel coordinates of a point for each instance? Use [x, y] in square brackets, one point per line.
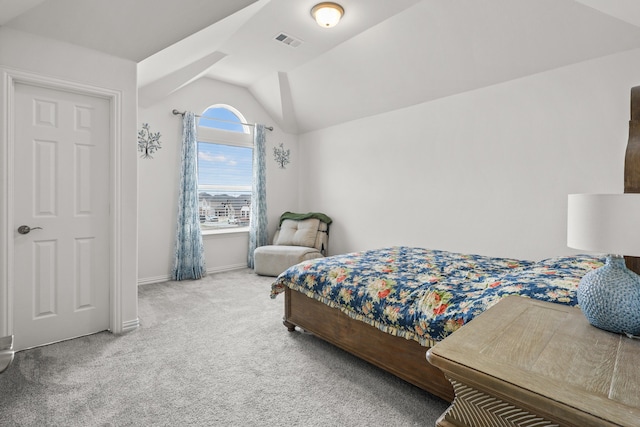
[61, 192]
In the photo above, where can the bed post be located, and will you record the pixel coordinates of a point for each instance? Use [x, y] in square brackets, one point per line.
[632, 161]
[287, 311]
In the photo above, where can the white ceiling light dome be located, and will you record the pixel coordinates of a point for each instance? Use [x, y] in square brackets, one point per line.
[327, 14]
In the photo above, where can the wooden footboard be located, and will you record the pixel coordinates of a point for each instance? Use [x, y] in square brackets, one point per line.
[404, 358]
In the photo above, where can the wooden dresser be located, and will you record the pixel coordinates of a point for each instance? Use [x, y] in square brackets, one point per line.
[530, 363]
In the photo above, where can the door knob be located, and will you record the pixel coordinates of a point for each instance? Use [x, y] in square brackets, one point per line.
[25, 229]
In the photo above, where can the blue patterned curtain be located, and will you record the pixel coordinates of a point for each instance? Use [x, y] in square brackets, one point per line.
[189, 250]
[258, 221]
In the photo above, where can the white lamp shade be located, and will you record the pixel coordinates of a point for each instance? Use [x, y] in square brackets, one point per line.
[327, 14]
[604, 223]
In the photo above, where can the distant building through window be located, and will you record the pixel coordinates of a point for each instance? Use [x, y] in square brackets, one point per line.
[225, 169]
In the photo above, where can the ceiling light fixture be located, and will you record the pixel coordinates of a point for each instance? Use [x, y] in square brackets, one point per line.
[327, 14]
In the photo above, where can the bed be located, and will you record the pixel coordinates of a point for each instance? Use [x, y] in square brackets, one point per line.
[315, 291]
[389, 305]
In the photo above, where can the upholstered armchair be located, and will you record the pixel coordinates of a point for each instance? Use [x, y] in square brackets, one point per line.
[299, 237]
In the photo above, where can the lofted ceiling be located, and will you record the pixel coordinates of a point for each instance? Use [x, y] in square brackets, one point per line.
[384, 54]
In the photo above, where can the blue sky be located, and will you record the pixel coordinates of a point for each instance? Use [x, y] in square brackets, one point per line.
[227, 165]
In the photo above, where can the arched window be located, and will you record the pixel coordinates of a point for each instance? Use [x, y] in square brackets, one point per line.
[223, 117]
[225, 169]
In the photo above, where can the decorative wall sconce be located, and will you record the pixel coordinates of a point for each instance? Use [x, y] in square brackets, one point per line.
[327, 14]
[281, 156]
[148, 142]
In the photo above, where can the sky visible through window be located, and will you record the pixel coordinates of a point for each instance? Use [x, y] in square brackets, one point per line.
[224, 168]
[225, 117]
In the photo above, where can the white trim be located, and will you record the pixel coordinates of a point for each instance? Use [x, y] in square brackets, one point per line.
[167, 278]
[130, 325]
[224, 268]
[9, 78]
[155, 279]
[6, 171]
[218, 231]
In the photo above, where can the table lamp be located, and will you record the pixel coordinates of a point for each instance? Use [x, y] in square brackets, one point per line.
[608, 296]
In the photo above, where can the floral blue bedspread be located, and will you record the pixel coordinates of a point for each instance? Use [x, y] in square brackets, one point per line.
[424, 294]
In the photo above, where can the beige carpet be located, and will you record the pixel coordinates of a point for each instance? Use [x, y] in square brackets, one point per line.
[211, 352]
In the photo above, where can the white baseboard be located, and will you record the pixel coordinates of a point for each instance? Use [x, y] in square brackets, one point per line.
[157, 279]
[130, 325]
[226, 268]
[160, 279]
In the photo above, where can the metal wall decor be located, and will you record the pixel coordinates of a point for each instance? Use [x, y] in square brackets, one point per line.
[148, 142]
[281, 156]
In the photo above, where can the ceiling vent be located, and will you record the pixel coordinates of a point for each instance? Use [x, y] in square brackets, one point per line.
[288, 40]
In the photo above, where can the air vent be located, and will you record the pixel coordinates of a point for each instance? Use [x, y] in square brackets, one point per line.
[288, 40]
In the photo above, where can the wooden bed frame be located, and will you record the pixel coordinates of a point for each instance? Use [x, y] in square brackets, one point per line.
[402, 357]
[406, 358]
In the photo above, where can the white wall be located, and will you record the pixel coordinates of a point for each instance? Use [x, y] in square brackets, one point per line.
[486, 171]
[28, 53]
[159, 179]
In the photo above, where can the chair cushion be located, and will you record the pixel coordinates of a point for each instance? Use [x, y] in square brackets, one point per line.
[272, 260]
[298, 233]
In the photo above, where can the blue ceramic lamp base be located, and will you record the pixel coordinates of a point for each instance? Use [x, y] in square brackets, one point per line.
[610, 297]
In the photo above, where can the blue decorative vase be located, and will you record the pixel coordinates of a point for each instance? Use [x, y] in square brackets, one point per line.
[610, 297]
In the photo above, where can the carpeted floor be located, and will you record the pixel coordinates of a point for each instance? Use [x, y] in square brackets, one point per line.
[211, 352]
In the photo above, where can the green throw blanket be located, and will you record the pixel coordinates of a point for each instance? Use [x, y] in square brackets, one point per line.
[300, 216]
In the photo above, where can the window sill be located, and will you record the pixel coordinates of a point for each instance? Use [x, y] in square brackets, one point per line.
[226, 231]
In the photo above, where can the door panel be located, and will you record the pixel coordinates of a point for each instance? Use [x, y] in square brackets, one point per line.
[61, 185]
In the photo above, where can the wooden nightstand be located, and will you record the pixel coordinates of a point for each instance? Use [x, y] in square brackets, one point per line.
[524, 360]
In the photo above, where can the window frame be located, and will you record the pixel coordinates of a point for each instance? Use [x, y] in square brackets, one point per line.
[225, 137]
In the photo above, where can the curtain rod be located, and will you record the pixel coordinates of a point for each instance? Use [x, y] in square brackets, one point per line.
[176, 112]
